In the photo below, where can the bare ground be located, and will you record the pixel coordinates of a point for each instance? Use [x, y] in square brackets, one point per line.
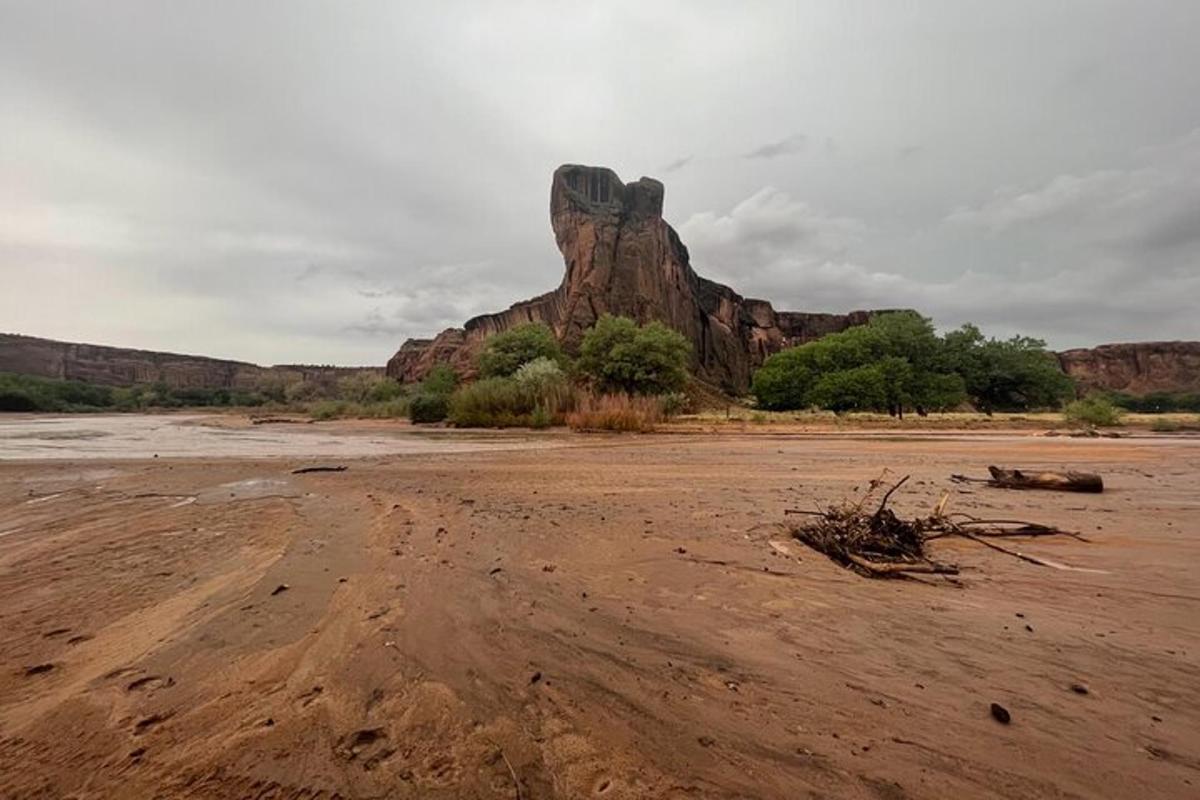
[615, 618]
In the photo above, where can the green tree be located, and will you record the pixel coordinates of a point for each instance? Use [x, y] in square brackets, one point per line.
[894, 363]
[1014, 374]
[620, 356]
[505, 352]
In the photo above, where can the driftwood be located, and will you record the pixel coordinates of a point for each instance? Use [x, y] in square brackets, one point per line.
[882, 545]
[1053, 481]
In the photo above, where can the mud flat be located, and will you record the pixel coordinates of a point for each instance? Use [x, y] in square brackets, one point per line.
[576, 617]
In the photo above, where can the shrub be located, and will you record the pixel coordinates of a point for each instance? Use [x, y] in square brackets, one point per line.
[328, 409]
[16, 400]
[504, 353]
[615, 412]
[673, 404]
[427, 407]
[491, 403]
[621, 357]
[541, 418]
[1093, 410]
[545, 382]
[441, 380]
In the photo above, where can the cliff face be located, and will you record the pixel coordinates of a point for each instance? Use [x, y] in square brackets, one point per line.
[117, 366]
[1137, 368]
[622, 258]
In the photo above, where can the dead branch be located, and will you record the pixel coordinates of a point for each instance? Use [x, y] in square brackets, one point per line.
[882, 545]
[1053, 481]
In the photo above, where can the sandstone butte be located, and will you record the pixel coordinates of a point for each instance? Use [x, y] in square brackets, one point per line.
[623, 258]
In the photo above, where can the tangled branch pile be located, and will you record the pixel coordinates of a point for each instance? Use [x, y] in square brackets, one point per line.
[880, 544]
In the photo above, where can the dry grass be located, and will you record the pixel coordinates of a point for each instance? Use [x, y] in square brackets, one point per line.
[615, 412]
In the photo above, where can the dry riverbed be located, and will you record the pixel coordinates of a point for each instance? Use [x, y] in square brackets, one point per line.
[565, 616]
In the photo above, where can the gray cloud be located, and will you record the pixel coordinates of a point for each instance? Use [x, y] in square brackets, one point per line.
[677, 164]
[304, 181]
[784, 147]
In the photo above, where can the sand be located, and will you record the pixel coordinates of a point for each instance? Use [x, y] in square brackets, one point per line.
[580, 616]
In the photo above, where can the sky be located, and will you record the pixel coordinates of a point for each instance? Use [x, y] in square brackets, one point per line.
[315, 182]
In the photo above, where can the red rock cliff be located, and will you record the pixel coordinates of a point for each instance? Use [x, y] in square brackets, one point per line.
[622, 258]
[119, 366]
[1136, 368]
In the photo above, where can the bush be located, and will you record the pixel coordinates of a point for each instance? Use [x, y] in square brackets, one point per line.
[1094, 410]
[1156, 402]
[546, 384]
[673, 404]
[615, 412]
[490, 403]
[504, 353]
[441, 380]
[329, 409]
[427, 407]
[16, 400]
[541, 418]
[621, 357]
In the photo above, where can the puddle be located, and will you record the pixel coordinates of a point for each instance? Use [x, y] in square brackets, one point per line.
[130, 436]
[250, 489]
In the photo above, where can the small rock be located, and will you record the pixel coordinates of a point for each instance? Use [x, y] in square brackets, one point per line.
[280, 589]
[680, 549]
[1079, 688]
[1000, 714]
[537, 676]
[706, 741]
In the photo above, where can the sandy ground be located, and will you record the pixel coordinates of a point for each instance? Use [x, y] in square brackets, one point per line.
[610, 617]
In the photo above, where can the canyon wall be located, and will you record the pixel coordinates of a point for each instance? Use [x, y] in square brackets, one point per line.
[118, 366]
[622, 258]
[1136, 368]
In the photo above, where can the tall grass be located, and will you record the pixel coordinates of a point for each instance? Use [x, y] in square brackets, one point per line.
[615, 412]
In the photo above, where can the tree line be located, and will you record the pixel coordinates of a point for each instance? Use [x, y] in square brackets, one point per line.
[897, 363]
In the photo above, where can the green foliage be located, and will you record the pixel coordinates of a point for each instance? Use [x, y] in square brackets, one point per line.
[427, 407]
[491, 403]
[619, 356]
[541, 418]
[504, 353]
[1016, 374]
[1156, 402]
[1093, 410]
[328, 409]
[674, 404]
[534, 396]
[893, 363]
[441, 380]
[898, 362]
[29, 393]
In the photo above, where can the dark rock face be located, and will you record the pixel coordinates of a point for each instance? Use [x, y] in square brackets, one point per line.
[117, 366]
[1137, 368]
[622, 258]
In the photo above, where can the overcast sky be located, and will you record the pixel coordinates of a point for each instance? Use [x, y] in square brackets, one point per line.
[315, 182]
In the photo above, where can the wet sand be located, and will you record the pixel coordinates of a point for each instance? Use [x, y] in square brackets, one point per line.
[613, 617]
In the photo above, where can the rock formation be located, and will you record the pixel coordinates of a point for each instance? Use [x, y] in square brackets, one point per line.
[622, 258]
[118, 366]
[1137, 368]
